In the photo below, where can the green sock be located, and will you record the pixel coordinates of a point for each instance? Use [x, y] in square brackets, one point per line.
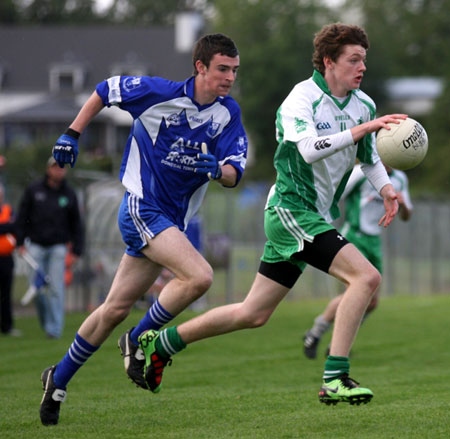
[169, 342]
[335, 366]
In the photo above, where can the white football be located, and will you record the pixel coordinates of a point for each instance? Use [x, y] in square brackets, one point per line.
[404, 146]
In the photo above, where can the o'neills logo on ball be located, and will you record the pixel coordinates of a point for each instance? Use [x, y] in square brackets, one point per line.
[417, 138]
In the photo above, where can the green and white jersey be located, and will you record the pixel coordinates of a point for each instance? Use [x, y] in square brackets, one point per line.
[363, 204]
[311, 112]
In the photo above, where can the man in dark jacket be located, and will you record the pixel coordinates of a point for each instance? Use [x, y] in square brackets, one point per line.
[49, 220]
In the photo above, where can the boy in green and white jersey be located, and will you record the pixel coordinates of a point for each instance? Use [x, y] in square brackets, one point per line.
[324, 124]
[363, 208]
[315, 178]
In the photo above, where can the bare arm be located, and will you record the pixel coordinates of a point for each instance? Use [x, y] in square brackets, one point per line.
[89, 110]
[65, 150]
[229, 176]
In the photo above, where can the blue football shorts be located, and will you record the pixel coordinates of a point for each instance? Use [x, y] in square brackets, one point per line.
[138, 219]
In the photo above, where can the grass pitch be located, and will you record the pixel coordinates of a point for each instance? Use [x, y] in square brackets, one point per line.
[249, 384]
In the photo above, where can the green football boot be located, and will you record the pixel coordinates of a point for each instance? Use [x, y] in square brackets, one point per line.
[154, 363]
[344, 389]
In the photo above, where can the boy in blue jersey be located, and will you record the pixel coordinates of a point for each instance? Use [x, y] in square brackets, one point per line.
[184, 134]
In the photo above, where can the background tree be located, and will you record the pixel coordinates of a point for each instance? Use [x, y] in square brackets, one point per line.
[144, 12]
[274, 38]
[412, 35]
[9, 13]
[44, 12]
[410, 38]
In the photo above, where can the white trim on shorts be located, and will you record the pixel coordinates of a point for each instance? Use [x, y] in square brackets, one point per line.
[133, 209]
[291, 225]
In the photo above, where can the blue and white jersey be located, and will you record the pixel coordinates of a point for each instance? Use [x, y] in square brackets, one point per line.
[166, 136]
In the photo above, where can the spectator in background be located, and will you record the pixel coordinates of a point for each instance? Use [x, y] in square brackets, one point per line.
[48, 220]
[7, 245]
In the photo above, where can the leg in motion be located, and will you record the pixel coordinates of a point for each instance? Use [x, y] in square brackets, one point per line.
[322, 324]
[52, 398]
[192, 278]
[362, 281]
[264, 296]
[133, 277]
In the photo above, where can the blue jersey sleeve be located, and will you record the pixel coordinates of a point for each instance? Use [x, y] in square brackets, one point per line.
[231, 148]
[136, 93]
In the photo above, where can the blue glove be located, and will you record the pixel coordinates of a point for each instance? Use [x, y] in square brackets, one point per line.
[208, 164]
[66, 149]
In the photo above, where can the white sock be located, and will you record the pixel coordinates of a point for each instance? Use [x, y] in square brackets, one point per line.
[320, 327]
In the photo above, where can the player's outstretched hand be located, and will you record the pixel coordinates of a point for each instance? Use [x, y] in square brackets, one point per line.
[390, 205]
[66, 150]
[207, 164]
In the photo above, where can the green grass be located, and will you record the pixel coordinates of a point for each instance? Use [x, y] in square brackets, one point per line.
[250, 384]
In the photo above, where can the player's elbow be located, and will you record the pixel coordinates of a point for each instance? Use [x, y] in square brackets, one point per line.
[306, 148]
[308, 159]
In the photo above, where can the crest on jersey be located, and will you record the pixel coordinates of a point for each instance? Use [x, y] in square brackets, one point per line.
[213, 128]
[242, 143]
[131, 83]
[300, 125]
[323, 126]
[173, 119]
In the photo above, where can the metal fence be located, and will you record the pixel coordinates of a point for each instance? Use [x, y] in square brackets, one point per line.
[416, 253]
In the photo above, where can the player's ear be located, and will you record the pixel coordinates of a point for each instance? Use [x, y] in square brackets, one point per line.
[327, 62]
[200, 67]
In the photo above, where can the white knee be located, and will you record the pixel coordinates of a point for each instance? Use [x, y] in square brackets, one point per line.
[247, 318]
[375, 280]
[200, 283]
[205, 280]
[371, 279]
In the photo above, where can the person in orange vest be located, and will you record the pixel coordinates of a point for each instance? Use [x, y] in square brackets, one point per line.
[7, 246]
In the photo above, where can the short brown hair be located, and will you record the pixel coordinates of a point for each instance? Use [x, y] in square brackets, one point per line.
[207, 46]
[331, 39]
